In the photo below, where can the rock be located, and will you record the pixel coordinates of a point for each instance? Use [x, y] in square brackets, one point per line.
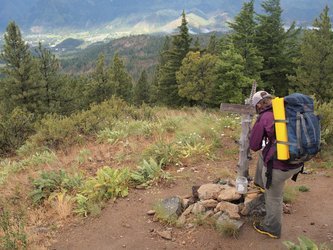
[185, 203]
[287, 209]
[172, 206]
[208, 214]
[198, 208]
[217, 215]
[181, 220]
[224, 219]
[229, 194]
[188, 210]
[209, 203]
[209, 191]
[165, 234]
[229, 208]
[151, 212]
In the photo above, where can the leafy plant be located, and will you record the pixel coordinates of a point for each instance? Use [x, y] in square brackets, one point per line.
[54, 181]
[304, 244]
[162, 151]
[108, 183]
[149, 172]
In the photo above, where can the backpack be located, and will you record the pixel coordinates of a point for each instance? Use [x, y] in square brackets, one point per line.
[303, 128]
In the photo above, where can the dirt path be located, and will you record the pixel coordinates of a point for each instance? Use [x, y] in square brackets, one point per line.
[125, 225]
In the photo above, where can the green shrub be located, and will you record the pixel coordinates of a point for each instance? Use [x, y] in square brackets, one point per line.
[326, 121]
[15, 128]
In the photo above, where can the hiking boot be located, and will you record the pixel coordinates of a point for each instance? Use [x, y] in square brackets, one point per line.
[261, 229]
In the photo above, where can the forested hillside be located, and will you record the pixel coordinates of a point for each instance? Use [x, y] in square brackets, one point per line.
[178, 70]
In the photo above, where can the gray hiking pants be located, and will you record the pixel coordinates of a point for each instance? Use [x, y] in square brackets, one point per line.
[273, 195]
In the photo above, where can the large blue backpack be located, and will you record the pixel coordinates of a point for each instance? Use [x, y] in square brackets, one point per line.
[303, 128]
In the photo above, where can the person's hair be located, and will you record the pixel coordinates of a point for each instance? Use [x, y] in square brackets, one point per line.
[264, 103]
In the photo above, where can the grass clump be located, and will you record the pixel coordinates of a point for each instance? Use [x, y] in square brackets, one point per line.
[303, 189]
[290, 194]
[12, 230]
[163, 215]
[227, 228]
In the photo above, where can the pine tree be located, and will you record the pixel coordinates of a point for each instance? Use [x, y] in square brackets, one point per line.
[48, 68]
[120, 80]
[213, 45]
[314, 74]
[271, 42]
[196, 78]
[243, 38]
[167, 83]
[99, 87]
[196, 46]
[141, 89]
[19, 86]
[232, 84]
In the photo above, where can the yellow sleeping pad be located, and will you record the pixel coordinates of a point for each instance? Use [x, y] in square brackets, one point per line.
[281, 132]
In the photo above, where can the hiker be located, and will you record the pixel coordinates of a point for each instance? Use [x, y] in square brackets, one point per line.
[270, 182]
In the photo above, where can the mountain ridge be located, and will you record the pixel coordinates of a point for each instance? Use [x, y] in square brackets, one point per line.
[40, 16]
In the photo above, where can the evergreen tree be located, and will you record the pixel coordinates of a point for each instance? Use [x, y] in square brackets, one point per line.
[121, 81]
[167, 84]
[196, 46]
[243, 38]
[196, 78]
[271, 42]
[99, 87]
[314, 74]
[48, 68]
[141, 89]
[213, 45]
[19, 86]
[232, 84]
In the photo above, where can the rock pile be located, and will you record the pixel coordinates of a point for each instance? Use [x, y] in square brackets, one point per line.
[214, 200]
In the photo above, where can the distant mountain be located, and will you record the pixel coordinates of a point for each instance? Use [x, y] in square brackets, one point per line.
[145, 16]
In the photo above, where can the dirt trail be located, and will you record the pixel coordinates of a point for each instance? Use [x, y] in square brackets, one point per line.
[125, 225]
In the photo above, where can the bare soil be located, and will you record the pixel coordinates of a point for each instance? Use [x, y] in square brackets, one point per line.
[124, 224]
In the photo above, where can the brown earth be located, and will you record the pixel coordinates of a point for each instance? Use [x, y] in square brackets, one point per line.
[124, 224]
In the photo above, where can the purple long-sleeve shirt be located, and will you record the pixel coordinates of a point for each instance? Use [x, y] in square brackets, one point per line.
[264, 130]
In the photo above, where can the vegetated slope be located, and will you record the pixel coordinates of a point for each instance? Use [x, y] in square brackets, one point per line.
[139, 52]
